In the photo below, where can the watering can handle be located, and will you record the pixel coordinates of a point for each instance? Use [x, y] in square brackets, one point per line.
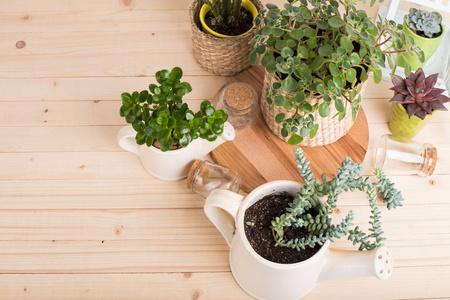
[220, 203]
[126, 139]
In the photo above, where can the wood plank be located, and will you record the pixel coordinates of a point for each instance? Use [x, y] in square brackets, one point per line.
[120, 187]
[64, 113]
[87, 5]
[91, 43]
[433, 133]
[100, 166]
[422, 282]
[96, 88]
[103, 256]
[121, 5]
[162, 224]
[134, 201]
[152, 193]
[87, 65]
[79, 138]
[142, 256]
[75, 165]
[96, 20]
[167, 224]
[105, 112]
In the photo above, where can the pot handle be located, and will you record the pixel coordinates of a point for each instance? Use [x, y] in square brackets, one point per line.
[218, 205]
[126, 139]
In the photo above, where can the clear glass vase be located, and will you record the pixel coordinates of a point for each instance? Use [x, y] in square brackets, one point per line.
[205, 176]
[399, 155]
[240, 101]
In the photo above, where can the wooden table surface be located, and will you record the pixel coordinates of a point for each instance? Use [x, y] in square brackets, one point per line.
[81, 219]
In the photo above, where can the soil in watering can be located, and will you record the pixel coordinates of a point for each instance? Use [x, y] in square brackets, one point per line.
[257, 222]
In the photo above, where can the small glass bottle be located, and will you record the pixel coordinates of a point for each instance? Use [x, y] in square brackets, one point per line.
[240, 101]
[403, 156]
[205, 176]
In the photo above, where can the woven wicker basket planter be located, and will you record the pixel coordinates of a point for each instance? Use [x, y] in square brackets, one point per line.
[221, 56]
[330, 129]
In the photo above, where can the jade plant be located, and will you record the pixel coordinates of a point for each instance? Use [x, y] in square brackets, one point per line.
[421, 21]
[226, 12]
[160, 117]
[418, 95]
[320, 226]
[315, 50]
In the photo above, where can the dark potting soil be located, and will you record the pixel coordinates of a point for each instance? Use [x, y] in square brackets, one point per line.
[245, 23]
[174, 147]
[422, 34]
[259, 233]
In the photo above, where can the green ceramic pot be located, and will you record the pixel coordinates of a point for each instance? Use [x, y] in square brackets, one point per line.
[427, 45]
[400, 124]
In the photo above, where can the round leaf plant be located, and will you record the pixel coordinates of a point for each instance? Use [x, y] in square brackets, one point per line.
[315, 50]
[160, 117]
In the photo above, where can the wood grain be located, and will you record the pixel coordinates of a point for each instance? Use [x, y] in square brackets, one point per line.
[79, 216]
[86, 88]
[95, 20]
[259, 156]
[61, 89]
[85, 43]
[50, 112]
[91, 65]
[160, 256]
[423, 282]
[151, 193]
[191, 223]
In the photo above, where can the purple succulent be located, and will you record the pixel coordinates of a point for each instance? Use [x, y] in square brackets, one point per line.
[418, 95]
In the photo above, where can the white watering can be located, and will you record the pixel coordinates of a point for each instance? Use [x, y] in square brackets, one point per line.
[173, 164]
[264, 279]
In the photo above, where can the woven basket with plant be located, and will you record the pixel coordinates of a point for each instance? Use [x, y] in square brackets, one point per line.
[221, 56]
[319, 57]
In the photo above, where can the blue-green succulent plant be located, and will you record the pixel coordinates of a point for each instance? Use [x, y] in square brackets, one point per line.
[320, 227]
[427, 22]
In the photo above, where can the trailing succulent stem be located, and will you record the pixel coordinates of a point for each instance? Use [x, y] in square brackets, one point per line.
[315, 50]
[226, 12]
[320, 226]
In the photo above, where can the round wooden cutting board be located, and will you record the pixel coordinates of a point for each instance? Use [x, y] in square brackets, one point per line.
[259, 156]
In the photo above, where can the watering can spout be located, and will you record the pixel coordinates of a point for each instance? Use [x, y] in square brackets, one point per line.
[351, 264]
[227, 135]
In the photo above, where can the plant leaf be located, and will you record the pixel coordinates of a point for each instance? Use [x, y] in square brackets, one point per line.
[351, 75]
[339, 104]
[289, 84]
[377, 75]
[336, 22]
[295, 139]
[313, 131]
[324, 110]
[280, 117]
[317, 63]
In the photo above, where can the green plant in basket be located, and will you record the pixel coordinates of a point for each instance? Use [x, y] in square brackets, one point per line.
[160, 117]
[317, 51]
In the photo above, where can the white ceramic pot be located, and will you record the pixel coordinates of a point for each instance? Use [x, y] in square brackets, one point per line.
[172, 164]
[264, 279]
